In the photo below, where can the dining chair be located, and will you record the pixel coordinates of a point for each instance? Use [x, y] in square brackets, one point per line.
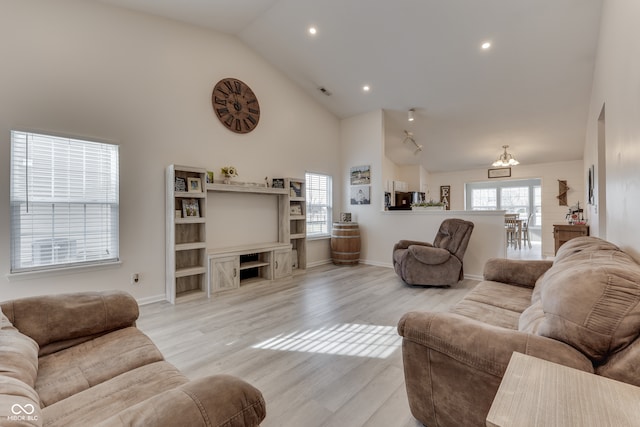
[511, 228]
[526, 237]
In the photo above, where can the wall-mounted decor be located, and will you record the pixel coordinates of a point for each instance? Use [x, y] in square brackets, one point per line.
[499, 173]
[361, 175]
[445, 196]
[563, 188]
[361, 195]
[235, 105]
[591, 184]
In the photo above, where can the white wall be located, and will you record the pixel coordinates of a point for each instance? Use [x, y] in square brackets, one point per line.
[617, 85]
[550, 173]
[362, 142]
[84, 69]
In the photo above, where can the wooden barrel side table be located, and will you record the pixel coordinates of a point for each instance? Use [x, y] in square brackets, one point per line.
[345, 243]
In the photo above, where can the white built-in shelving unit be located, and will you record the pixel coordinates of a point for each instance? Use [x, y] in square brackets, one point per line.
[191, 266]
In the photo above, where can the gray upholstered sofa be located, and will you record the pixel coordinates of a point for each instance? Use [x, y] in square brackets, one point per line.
[79, 360]
[582, 310]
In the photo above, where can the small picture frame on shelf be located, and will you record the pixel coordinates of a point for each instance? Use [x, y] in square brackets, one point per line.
[190, 208]
[277, 183]
[209, 177]
[296, 189]
[180, 184]
[345, 217]
[295, 209]
[194, 185]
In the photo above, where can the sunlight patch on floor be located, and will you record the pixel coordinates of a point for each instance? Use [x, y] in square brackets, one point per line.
[345, 339]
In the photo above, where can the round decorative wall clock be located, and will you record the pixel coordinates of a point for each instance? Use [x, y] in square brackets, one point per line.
[235, 105]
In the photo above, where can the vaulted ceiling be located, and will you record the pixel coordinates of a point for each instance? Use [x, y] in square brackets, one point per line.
[529, 90]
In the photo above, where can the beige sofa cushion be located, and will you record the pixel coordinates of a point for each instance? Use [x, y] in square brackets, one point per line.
[98, 403]
[67, 372]
[60, 321]
[589, 299]
[19, 403]
[494, 303]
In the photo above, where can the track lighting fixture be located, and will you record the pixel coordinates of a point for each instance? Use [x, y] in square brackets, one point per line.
[408, 137]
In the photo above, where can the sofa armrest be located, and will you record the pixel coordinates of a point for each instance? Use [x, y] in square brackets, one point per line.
[515, 272]
[213, 401]
[71, 317]
[404, 244]
[429, 255]
[453, 365]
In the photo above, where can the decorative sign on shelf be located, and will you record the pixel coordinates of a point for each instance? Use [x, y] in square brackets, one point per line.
[445, 196]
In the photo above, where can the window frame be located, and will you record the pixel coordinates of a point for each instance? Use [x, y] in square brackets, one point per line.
[531, 183]
[98, 198]
[311, 206]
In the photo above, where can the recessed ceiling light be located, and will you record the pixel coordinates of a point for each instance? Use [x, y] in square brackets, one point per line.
[486, 45]
[366, 88]
[312, 30]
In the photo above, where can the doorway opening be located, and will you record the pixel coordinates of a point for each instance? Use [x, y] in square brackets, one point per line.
[520, 196]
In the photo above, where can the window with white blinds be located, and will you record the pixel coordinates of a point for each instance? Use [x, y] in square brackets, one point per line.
[319, 204]
[64, 202]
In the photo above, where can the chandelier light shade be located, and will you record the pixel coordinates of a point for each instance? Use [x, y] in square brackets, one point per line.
[505, 159]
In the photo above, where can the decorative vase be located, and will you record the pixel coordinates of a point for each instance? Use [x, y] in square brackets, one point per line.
[227, 179]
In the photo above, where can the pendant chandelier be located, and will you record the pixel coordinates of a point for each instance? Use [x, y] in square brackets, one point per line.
[505, 159]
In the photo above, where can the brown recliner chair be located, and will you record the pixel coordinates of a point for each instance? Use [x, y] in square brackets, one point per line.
[437, 264]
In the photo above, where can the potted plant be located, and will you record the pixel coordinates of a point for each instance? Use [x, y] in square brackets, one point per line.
[428, 205]
[229, 172]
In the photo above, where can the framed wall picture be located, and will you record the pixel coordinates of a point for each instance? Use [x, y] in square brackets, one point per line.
[190, 208]
[500, 173]
[361, 195]
[591, 177]
[194, 185]
[360, 175]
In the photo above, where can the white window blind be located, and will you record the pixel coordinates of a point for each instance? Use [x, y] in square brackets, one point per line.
[64, 202]
[319, 204]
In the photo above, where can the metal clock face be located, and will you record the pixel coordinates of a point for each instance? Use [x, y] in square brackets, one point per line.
[236, 105]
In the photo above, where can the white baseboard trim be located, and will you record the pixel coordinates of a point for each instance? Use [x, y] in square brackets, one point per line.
[377, 263]
[317, 263]
[390, 265]
[151, 300]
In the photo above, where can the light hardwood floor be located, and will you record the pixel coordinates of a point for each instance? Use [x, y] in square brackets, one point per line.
[322, 362]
